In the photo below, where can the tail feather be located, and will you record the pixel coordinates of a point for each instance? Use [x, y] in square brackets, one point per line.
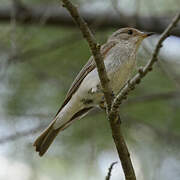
[43, 142]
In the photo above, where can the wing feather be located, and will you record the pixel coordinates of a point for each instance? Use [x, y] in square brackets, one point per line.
[88, 67]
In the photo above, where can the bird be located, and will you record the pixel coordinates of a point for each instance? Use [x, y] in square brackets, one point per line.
[85, 93]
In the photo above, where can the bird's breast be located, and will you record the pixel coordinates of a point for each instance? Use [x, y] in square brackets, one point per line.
[119, 70]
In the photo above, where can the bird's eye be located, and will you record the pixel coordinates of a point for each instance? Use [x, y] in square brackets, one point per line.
[130, 32]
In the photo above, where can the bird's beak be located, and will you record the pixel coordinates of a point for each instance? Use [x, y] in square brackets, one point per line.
[147, 34]
[142, 36]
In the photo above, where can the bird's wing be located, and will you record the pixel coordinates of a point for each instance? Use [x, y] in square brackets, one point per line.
[88, 67]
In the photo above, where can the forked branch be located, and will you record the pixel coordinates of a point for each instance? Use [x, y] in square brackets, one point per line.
[112, 112]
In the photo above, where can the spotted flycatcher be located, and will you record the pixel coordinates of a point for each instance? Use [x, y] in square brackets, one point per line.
[85, 93]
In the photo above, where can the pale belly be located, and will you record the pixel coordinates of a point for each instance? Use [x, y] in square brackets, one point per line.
[120, 75]
[90, 93]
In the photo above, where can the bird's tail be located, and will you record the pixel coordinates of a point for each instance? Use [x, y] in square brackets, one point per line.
[43, 142]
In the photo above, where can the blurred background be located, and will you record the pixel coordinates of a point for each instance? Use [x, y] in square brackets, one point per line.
[41, 52]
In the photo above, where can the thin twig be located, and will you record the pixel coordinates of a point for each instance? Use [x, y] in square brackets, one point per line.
[110, 170]
[143, 71]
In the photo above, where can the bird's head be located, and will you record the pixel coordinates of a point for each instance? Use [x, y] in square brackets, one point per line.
[129, 36]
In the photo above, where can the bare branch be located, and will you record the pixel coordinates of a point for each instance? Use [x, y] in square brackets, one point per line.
[115, 119]
[110, 170]
[143, 71]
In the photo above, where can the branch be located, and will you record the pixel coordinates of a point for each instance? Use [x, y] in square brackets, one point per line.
[117, 135]
[110, 170]
[143, 71]
[95, 49]
[113, 120]
[121, 146]
[33, 14]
